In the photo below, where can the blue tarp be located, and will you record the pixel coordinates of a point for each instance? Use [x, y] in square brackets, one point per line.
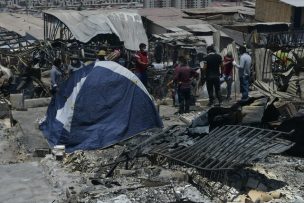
[99, 105]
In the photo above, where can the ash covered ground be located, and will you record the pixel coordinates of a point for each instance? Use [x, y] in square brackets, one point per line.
[82, 176]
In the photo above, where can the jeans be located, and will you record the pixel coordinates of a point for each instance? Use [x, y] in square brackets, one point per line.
[184, 100]
[244, 87]
[228, 80]
[214, 83]
[143, 77]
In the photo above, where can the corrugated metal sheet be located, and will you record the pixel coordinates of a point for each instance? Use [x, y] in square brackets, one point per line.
[85, 25]
[295, 3]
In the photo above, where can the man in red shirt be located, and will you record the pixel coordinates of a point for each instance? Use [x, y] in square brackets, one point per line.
[228, 68]
[142, 63]
[182, 76]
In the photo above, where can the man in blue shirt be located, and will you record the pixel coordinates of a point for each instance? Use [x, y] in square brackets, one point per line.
[244, 72]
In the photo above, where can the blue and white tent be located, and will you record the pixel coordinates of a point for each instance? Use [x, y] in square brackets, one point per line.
[99, 105]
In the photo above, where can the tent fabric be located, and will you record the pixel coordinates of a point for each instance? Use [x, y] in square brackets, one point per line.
[99, 105]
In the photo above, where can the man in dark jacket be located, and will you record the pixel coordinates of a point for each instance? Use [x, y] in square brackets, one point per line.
[213, 62]
[182, 76]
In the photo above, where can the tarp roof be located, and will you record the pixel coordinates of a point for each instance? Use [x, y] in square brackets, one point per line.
[168, 18]
[85, 25]
[295, 3]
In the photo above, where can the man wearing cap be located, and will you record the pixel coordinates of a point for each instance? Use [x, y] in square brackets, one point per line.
[142, 63]
[101, 55]
[75, 64]
[212, 67]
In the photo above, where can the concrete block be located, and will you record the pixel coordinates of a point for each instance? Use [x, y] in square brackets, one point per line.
[71, 195]
[17, 101]
[59, 156]
[42, 152]
[38, 102]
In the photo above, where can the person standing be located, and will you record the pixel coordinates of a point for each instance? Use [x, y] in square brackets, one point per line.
[75, 64]
[212, 67]
[227, 73]
[56, 75]
[182, 76]
[142, 63]
[244, 72]
[101, 55]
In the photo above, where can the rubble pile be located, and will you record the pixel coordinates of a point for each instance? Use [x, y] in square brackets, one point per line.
[142, 183]
[149, 178]
[224, 153]
[86, 162]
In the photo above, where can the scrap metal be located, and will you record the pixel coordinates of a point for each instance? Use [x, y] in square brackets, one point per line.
[226, 148]
[12, 41]
[267, 90]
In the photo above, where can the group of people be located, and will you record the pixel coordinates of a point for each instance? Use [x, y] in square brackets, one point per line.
[58, 73]
[214, 68]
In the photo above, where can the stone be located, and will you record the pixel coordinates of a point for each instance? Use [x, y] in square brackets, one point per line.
[275, 195]
[252, 183]
[259, 196]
